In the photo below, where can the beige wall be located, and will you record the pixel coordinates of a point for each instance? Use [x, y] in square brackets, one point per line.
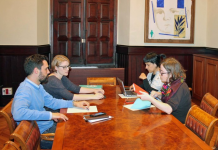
[212, 24]
[123, 20]
[136, 23]
[24, 22]
[43, 22]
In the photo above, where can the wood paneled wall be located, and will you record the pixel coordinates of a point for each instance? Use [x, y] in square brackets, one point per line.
[11, 66]
[131, 58]
[79, 76]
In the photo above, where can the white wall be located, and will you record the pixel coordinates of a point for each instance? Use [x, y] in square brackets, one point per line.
[136, 34]
[24, 22]
[212, 24]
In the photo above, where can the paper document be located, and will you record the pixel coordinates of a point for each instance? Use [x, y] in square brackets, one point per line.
[122, 96]
[130, 105]
[81, 110]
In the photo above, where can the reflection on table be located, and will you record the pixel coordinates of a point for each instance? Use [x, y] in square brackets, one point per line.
[144, 129]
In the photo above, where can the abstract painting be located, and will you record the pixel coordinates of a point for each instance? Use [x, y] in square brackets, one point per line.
[169, 21]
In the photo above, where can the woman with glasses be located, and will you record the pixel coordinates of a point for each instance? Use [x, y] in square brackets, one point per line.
[59, 86]
[152, 80]
[175, 95]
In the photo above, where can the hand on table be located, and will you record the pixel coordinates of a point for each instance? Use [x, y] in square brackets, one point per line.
[99, 91]
[56, 116]
[81, 104]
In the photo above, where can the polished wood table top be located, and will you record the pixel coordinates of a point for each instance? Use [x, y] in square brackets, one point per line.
[148, 129]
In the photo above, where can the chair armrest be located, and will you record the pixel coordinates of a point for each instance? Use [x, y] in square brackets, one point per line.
[48, 136]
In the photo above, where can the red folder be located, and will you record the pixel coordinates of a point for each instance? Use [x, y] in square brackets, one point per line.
[137, 89]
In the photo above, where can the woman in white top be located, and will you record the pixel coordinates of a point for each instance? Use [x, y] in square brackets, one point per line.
[152, 81]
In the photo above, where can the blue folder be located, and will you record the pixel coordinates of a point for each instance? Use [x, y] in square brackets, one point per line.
[92, 86]
[140, 104]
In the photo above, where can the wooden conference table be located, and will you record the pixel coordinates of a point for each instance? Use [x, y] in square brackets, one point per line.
[148, 129]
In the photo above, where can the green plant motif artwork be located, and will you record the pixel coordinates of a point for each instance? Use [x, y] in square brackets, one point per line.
[179, 27]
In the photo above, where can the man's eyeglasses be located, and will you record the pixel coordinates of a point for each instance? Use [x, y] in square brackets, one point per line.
[163, 73]
[65, 67]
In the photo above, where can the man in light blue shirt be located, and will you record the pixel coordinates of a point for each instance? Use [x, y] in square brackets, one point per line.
[30, 99]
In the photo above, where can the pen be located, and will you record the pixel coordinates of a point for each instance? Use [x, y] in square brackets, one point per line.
[87, 108]
[129, 102]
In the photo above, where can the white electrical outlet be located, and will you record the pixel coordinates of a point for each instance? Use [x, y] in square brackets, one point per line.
[7, 91]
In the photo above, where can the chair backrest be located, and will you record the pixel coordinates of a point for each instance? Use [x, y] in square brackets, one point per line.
[101, 81]
[6, 113]
[209, 104]
[9, 145]
[27, 135]
[201, 123]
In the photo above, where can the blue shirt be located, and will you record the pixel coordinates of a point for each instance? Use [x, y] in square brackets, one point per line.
[29, 102]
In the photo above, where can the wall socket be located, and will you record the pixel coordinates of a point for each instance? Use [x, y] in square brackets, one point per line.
[7, 91]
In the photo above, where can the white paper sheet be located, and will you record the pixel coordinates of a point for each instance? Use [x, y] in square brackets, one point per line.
[130, 105]
[81, 110]
[122, 96]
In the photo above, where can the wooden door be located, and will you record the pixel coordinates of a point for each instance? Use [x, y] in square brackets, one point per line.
[83, 30]
[211, 77]
[198, 77]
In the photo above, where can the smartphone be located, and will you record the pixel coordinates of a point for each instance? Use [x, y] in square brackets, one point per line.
[97, 114]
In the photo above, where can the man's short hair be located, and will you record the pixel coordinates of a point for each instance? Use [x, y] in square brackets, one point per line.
[34, 61]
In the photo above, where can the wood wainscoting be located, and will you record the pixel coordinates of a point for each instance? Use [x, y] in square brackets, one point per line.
[79, 75]
[131, 58]
[11, 64]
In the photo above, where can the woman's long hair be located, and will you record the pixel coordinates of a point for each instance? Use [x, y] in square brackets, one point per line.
[174, 67]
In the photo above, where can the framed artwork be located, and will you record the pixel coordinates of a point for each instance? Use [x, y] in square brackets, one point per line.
[169, 21]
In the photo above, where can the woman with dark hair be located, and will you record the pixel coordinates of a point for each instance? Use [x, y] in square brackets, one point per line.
[152, 80]
[175, 94]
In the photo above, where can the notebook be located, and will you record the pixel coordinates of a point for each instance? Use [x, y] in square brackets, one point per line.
[138, 89]
[125, 92]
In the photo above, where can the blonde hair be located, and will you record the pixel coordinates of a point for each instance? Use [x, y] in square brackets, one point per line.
[174, 67]
[57, 60]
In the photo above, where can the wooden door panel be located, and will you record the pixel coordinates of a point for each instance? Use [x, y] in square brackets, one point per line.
[100, 44]
[92, 30]
[92, 10]
[62, 47]
[211, 77]
[62, 9]
[105, 11]
[198, 77]
[105, 39]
